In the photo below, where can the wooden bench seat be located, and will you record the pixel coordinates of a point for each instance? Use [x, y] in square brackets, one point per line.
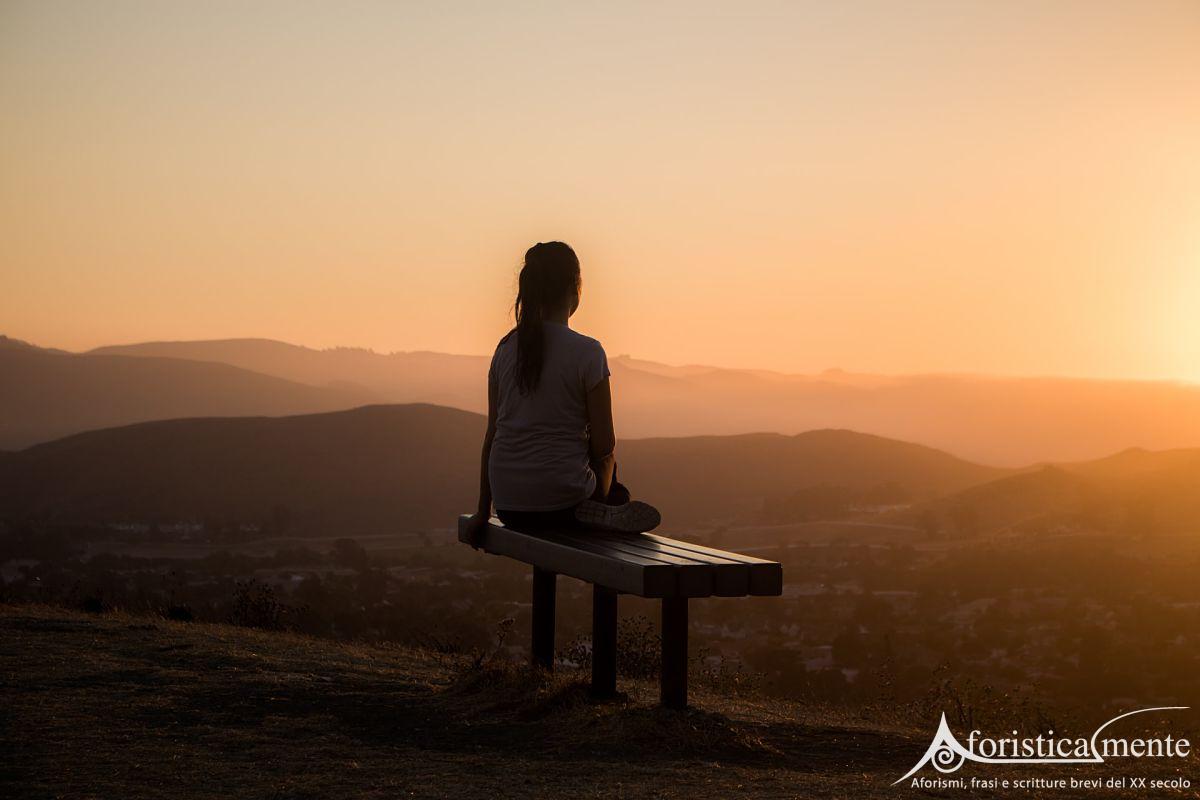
[641, 564]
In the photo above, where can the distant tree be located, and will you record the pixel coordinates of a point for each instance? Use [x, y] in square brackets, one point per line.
[349, 553]
[371, 586]
[849, 650]
[870, 611]
[966, 520]
[255, 605]
[929, 523]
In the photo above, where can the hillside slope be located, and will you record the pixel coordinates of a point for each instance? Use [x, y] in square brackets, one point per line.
[1134, 492]
[411, 377]
[410, 466]
[376, 467]
[1010, 421]
[47, 394]
[700, 477]
[118, 706]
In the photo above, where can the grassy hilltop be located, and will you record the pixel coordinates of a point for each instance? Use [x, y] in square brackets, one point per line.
[121, 706]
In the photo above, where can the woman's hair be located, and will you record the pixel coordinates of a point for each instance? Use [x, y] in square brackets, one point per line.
[548, 278]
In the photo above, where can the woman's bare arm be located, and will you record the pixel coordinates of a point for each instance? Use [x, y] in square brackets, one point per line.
[483, 510]
[602, 441]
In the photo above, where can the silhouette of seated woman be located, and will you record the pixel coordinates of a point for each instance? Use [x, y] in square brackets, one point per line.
[548, 455]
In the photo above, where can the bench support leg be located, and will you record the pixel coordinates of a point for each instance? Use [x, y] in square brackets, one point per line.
[604, 641]
[674, 652]
[542, 639]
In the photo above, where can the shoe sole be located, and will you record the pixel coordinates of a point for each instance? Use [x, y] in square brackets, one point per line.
[632, 517]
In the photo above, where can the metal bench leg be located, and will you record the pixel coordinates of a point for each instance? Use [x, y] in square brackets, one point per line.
[674, 652]
[604, 641]
[542, 640]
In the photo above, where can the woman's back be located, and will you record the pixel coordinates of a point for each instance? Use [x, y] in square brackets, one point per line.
[548, 460]
[539, 459]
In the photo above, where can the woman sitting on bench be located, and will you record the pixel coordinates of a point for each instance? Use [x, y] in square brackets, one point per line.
[548, 458]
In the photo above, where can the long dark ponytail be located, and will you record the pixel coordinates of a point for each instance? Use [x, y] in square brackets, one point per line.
[548, 278]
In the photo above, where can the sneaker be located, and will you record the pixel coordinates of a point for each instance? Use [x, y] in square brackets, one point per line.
[632, 517]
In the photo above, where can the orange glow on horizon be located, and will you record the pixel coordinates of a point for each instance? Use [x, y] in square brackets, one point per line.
[873, 186]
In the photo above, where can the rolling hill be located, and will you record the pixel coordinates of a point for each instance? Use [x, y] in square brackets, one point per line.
[703, 477]
[418, 377]
[1010, 421]
[414, 466]
[374, 467]
[46, 394]
[1136, 492]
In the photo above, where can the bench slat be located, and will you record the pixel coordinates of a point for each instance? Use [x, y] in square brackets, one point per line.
[687, 579]
[766, 577]
[647, 579]
[604, 549]
[671, 546]
[693, 578]
[729, 578]
[643, 564]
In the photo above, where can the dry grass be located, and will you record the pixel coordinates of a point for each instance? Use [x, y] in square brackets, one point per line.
[123, 707]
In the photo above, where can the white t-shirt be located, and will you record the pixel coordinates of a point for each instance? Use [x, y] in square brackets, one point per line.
[539, 459]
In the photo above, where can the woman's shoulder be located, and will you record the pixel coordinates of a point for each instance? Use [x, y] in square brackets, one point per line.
[505, 350]
[582, 340]
[590, 359]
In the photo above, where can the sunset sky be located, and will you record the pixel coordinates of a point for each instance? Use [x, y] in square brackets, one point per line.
[1007, 187]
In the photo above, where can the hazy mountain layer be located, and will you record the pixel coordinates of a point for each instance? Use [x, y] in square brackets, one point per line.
[47, 394]
[1003, 421]
[1136, 493]
[414, 466]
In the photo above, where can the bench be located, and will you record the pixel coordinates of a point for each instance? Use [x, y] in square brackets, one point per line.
[641, 564]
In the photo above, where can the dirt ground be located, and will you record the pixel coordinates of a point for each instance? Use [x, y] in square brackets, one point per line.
[115, 706]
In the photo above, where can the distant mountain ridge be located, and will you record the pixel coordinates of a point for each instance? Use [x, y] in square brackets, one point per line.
[410, 377]
[701, 477]
[412, 466]
[387, 467]
[1136, 492]
[994, 420]
[47, 394]
[9, 343]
